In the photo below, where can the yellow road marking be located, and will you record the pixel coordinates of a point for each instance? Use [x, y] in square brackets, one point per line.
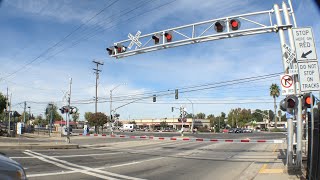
[264, 169]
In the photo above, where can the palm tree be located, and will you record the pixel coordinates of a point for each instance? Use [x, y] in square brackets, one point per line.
[275, 92]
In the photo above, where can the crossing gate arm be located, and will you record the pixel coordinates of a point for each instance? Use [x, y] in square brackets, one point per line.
[252, 23]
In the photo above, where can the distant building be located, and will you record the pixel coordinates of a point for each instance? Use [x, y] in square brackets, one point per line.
[173, 123]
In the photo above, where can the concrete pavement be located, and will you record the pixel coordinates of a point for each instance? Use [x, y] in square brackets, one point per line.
[114, 158]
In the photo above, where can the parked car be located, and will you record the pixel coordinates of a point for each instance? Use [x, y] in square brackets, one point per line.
[247, 131]
[232, 130]
[10, 169]
[238, 130]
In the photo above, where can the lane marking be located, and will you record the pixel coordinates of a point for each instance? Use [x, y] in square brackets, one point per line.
[136, 162]
[68, 156]
[52, 174]
[84, 167]
[65, 167]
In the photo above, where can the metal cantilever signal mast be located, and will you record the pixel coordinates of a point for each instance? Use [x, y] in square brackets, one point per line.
[251, 24]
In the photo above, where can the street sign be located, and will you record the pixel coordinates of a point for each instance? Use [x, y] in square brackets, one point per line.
[293, 69]
[287, 84]
[134, 40]
[309, 76]
[304, 43]
[289, 116]
[289, 54]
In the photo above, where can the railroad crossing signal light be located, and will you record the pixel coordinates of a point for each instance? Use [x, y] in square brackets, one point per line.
[234, 24]
[154, 98]
[120, 48]
[289, 103]
[73, 110]
[168, 36]
[219, 26]
[307, 100]
[176, 94]
[156, 39]
[110, 50]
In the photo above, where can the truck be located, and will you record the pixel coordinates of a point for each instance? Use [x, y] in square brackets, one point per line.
[128, 127]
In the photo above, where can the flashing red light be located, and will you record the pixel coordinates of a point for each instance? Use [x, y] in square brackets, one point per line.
[235, 24]
[168, 37]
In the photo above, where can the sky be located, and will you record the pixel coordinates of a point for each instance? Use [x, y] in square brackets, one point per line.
[45, 43]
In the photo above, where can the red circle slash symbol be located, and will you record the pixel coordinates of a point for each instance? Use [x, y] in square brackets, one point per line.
[286, 81]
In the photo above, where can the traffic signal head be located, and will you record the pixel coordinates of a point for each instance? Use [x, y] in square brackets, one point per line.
[168, 36]
[110, 50]
[289, 103]
[73, 110]
[120, 48]
[154, 98]
[307, 100]
[219, 26]
[156, 39]
[62, 110]
[176, 94]
[234, 24]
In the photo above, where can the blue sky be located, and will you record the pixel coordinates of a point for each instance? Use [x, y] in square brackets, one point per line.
[29, 28]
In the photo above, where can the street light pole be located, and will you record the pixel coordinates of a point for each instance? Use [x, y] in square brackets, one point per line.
[192, 124]
[111, 117]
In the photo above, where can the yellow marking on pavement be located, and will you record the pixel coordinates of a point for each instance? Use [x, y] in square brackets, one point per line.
[264, 169]
[271, 171]
[275, 149]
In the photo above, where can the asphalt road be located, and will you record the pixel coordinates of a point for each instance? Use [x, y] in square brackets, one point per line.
[113, 158]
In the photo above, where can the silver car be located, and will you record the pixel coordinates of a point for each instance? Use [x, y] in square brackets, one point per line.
[10, 169]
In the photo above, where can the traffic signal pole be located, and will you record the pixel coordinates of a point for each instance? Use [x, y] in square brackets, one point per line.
[299, 124]
[285, 67]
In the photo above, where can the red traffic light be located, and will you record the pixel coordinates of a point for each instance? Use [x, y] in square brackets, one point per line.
[307, 100]
[219, 26]
[234, 24]
[168, 37]
[156, 39]
[120, 48]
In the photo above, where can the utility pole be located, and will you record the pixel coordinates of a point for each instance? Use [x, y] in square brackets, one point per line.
[69, 105]
[10, 115]
[97, 70]
[24, 111]
[7, 108]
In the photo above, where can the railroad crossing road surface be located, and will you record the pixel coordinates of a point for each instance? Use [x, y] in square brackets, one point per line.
[147, 159]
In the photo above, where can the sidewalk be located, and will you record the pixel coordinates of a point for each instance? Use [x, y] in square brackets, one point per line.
[273, 169]
[34, 141]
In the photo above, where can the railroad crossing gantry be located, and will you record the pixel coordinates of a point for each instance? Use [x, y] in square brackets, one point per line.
[229, 27]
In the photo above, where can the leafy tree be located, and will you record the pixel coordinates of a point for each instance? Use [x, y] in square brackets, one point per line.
[87, 115]
[212, 119]
[55, 114]
[189, 115]
[75, 117]
[201, 116]
[40, 121]
[163, 124]
[275, 92]
[132, 122]
[2, 103]
[98, 119]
